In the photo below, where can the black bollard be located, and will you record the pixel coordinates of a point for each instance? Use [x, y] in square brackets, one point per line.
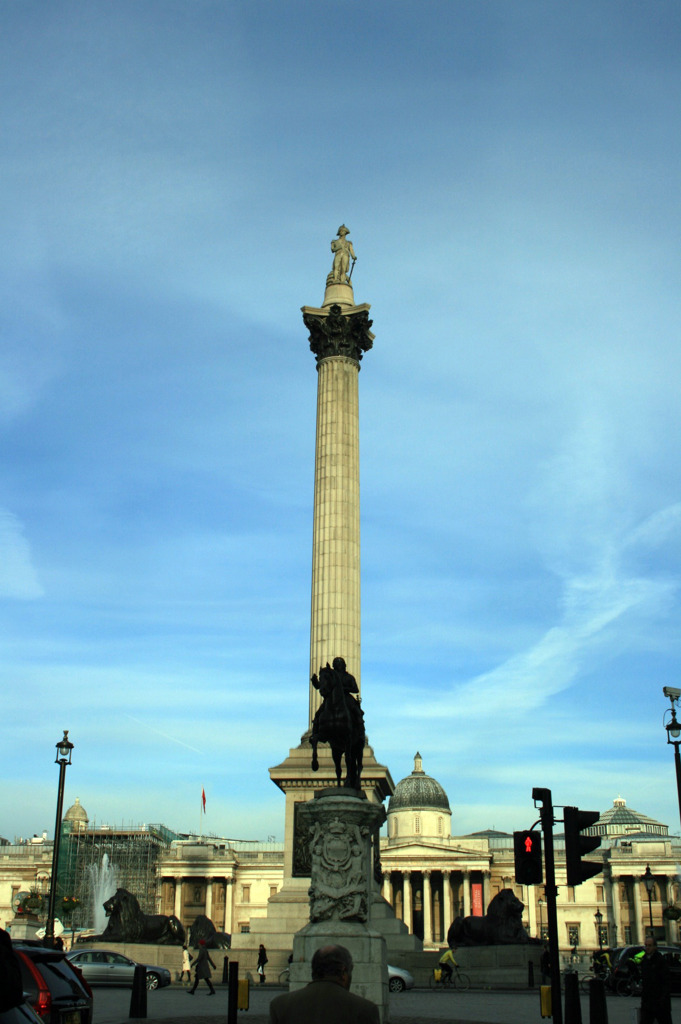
[573, 1007]
[138, 999]
[598, 1006]
[233, 997]
[530, 974]
[225, 970]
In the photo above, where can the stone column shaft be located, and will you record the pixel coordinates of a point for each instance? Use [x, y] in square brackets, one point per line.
[427, 910]
[447, 912]
[406, 901]
[466, 893]
[335, 606]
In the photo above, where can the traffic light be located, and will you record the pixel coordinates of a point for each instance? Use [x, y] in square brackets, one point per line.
[527, 853]
[576, 845]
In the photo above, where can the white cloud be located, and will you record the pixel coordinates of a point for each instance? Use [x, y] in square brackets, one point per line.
[18, 577]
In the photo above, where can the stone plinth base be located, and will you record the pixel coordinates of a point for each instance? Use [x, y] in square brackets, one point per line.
[24, 927]
[370, 971]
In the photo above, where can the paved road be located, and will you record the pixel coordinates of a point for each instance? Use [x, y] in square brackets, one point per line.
[420, 1006]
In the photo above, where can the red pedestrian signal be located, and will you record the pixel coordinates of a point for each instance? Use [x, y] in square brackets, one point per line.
[527, 854]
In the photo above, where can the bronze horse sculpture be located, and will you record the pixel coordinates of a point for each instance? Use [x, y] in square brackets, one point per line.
[339, 722]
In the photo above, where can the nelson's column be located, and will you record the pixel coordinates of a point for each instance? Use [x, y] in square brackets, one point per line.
[339, 335]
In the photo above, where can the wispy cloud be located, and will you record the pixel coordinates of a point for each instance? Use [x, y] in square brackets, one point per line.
[18, 576]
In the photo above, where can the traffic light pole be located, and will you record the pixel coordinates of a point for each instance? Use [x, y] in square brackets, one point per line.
[546, 817]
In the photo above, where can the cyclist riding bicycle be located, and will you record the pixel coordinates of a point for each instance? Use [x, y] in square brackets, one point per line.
[448, 963]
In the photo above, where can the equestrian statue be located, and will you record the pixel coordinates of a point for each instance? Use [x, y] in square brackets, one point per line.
[339, 722]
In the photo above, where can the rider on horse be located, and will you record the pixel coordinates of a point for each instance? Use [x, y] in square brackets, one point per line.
[349, 684]
[339, 721]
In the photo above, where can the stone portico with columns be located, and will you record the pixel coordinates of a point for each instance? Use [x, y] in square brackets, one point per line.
[429, 877]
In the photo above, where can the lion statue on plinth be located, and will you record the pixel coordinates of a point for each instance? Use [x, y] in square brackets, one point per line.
[502, 925]
[128, 923]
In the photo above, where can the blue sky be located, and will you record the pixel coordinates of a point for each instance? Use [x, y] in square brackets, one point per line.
[173, 173]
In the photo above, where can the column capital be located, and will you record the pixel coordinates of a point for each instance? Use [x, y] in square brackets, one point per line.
[337, 333]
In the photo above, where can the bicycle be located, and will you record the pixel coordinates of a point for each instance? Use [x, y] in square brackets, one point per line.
[458, 980]
[629, 986]
[283, 977]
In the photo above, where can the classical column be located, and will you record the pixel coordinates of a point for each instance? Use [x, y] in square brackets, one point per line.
[406, 901]
[229, 890]
[485, 891]
[427, 910]
[638, 910]
[466, 893]
[339, 336]
[209, 896]
[671, 927]
[531, 910]
[447, 912]
[388, 888]
[178, 899]
[618, 937]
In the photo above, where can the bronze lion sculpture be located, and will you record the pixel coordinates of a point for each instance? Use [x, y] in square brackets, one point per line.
[502, 925]
[128, 923]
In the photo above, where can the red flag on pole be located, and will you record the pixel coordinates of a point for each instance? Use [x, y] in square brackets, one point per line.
[203, 799]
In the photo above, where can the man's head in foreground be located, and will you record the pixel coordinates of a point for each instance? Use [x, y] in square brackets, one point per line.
[332, 963]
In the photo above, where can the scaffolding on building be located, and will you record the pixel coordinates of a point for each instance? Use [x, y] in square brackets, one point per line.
[95, 859]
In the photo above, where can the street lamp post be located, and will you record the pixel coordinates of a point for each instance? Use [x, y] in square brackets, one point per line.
[649, 883]
[673, 727]
[540, 901]
[63, 758]
[599, 921]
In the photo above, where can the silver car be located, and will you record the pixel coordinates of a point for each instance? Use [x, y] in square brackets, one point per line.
[399, 979]
[104, 967]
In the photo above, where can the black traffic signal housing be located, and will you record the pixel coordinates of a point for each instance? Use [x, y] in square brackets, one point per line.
[527, 854]
[576, 845]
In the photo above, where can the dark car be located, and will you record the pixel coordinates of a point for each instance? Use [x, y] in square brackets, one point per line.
[626, 974]
[105, 967]
[56, 990]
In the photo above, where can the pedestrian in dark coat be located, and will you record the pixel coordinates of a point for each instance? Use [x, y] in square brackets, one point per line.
[202, 969]
[262, 960]
[326, 1000]
[656, 1004]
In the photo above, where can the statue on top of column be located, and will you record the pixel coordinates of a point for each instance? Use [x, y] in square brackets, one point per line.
[342, 253]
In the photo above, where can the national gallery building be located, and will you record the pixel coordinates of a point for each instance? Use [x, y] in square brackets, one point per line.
[429, 875]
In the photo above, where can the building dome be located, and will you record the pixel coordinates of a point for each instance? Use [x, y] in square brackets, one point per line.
[77, 817]
[418, 792]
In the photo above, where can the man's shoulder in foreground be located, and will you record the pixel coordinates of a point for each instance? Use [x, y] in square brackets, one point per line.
[323, 1002]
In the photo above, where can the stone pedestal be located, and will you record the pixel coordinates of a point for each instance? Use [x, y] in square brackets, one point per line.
[24, 927]
[341, 825]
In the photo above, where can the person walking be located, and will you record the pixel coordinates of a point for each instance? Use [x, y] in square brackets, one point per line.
[186, 964]
[262, 960]
[327, 998]
[655, 985]
[202, 969]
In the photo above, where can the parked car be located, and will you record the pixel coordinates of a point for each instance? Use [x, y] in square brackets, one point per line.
[104, 967]
[57, 992]
[399, 979]
[623, 970]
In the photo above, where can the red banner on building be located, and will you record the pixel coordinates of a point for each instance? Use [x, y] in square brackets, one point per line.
[476, 900]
